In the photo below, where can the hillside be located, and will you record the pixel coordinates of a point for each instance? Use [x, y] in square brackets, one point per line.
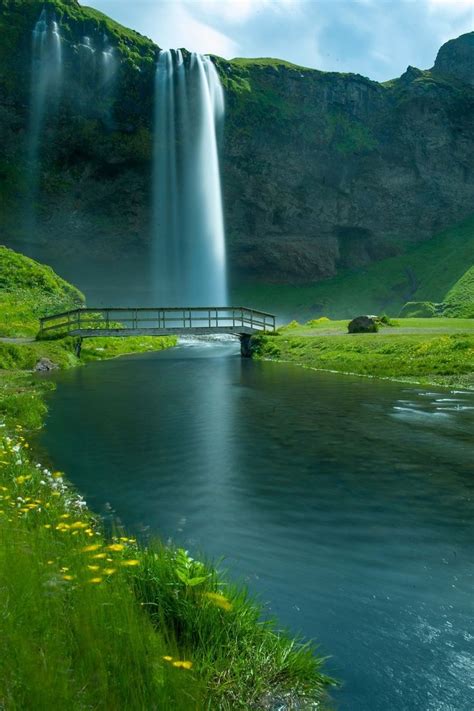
[433, 271]
[323, 173]
[29, 290]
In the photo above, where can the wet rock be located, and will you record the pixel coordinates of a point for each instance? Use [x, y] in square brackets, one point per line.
[363, 324]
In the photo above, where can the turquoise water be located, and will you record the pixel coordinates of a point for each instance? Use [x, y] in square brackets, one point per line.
[345, 503]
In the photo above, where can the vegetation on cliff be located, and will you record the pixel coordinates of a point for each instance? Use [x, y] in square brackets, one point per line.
[89, 619]
[434, 271]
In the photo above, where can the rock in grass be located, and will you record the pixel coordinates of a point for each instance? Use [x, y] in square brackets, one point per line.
[363, 324]
[45, 364]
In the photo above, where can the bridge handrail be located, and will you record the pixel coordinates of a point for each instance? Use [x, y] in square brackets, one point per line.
[90, 309]
[238, 315]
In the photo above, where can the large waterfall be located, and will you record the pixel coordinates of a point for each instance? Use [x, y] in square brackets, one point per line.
[46, 73]
[189, 266]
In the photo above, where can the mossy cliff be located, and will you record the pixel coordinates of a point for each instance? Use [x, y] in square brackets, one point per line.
[322, 171]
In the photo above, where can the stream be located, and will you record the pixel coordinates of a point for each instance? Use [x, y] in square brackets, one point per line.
[346, 504]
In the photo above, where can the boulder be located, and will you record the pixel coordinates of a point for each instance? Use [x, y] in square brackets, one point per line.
[363, 324]
[44, 365]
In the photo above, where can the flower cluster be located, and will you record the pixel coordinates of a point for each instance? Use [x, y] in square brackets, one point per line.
[179, 664]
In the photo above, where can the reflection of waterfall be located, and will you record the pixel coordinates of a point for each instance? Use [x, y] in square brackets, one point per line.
[45, 83]
[189, 249]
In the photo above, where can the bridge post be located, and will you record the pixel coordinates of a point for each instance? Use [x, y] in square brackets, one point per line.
[78, 347]
[245, 345]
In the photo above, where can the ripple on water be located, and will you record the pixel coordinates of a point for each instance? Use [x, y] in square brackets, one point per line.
[346, 504]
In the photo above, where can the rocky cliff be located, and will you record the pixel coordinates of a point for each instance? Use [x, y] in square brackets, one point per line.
[322, 171]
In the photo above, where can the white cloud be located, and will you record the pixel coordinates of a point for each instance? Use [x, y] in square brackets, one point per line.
[181, 29]
[460, 5]
[377, 38]
[170, 24]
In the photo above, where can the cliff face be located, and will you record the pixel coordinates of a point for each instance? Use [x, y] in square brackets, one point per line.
[321, 171]
[328, 171]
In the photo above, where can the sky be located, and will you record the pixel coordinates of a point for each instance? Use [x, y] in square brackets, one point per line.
[376, 38]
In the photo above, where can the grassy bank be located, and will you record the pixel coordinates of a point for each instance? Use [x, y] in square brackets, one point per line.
[426, 351]
[89, 620]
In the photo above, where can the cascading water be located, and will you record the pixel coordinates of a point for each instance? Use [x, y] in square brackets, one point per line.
[45, 85]
[189, 265]
[108, 63]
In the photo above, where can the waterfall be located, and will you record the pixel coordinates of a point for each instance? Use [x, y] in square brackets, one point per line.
[108, 66]
[46, 72]
[189, 266]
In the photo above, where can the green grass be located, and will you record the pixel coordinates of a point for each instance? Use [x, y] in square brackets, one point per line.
[426, 272]
[29, 290]
[438, 351]
[263, 62]
[71, 632]
[82, 628]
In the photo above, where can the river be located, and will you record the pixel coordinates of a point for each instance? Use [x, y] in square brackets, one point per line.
[347, 504]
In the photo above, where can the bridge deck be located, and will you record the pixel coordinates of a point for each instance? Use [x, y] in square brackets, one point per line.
[123, 322]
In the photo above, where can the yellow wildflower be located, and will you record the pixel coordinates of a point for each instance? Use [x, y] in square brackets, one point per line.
[99, 555]
[219, 600]
[93, 567]
[88, 549]
[62, 527]
[68, 577]
[167, 658]
[115, 547]
[79, 525]
[95, 580]
[109, 571]
[183, 665]
[130, 562]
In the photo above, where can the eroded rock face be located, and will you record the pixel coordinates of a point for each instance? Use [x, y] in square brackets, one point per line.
[338, 171]
[321, 171]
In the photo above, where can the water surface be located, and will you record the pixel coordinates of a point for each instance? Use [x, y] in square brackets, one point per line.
[346, 503]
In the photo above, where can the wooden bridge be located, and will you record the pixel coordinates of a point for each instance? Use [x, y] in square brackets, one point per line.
[123, 322]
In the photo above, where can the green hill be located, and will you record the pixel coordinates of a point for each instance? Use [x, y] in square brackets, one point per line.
[29, 290]
[433, 271]
[459, 300]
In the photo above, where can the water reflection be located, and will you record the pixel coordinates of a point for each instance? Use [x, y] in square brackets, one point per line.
[347, 503]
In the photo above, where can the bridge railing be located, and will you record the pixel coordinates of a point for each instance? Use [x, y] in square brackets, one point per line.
[169, 319]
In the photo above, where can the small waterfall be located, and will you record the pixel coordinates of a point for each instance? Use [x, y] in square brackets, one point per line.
[109, 64]
[46, 73]
[189, 266]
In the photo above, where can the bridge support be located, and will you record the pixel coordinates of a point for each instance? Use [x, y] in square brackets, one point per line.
[78, 347]
[245, 345]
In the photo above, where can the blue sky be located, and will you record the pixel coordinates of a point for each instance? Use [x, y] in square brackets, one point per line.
[376, 38]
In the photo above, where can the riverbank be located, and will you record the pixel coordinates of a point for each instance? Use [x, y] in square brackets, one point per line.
[89, 619]
[423, 351]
